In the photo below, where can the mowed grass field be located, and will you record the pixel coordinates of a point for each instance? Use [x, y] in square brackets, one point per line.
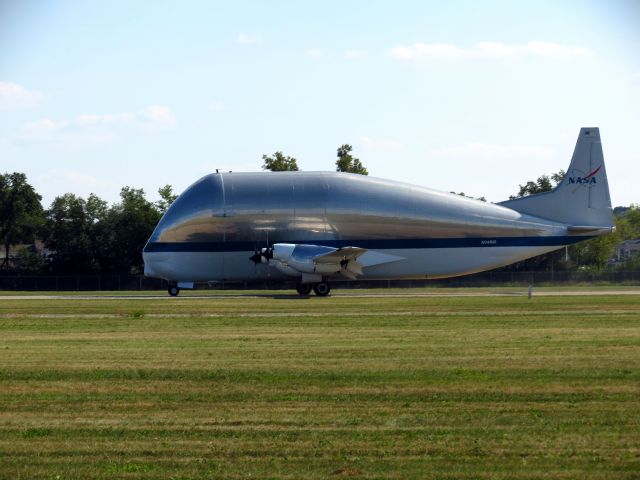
[497, 387]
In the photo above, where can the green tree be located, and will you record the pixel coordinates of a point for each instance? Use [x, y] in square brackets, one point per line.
[542, 184]
[348, 163]
[594, 253]
[97, 209]
[124, 231]
[29, 261]
[167, 197]
[71, 226]
[628, 223]
[21, 214]
[278, 162]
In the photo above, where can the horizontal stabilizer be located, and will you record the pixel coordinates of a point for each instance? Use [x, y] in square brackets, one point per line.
[589, 229]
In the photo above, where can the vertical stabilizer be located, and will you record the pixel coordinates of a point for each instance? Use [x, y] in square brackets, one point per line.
[582, 198]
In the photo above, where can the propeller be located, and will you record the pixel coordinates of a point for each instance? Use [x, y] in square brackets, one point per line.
[256, 257]
[260, 253]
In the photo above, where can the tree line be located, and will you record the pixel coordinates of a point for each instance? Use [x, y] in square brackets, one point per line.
[346, 162]
[91, 236]
[80, 236]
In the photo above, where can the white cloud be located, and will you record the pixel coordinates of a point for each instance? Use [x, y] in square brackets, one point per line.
[491, 152]
[14, 96]
[354, 54]
[314, 53]
[95, 128]
[433, 51]
[485, 50]
[106, 119]
[157, 115]
[494, 50]
[216, 107]
[249, 39]
[380, 144]
[547, 49]
[489, 169]
[42, 130]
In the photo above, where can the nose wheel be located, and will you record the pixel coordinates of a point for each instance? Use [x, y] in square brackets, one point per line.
[173, 291]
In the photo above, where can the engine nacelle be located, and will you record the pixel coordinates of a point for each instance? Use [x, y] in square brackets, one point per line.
[283, 251]
[300, 258]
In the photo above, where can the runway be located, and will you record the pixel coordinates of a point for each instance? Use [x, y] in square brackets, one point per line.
[213, 295]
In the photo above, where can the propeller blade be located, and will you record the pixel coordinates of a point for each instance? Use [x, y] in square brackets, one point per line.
[267, 253]
[256, 257]
[259, 254]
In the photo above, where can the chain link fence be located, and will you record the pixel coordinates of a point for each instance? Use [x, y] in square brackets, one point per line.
[484, 279]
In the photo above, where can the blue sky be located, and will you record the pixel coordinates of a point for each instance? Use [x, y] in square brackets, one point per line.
[466, 96]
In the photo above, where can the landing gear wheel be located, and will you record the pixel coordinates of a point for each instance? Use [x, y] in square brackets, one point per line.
[321, 289]
[303, 288]
[173, 291]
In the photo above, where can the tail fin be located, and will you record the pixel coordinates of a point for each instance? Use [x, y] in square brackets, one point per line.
[582, 198]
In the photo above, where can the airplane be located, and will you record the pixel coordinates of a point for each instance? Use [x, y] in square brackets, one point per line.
[318, 227]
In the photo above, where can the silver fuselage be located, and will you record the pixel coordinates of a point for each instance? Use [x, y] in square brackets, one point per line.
[212, 229]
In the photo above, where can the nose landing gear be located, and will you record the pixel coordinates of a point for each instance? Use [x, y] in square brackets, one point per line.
[173, 290]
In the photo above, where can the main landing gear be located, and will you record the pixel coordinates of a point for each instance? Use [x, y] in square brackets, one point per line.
[173, 290]
[321, 289]
[303, 288]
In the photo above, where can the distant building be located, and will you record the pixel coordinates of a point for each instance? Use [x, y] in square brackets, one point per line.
[16, 250]
[625, 250]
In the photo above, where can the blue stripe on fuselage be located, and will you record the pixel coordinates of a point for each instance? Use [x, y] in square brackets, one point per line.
[374, 244]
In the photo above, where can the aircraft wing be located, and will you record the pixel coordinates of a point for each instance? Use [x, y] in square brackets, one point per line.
[339, 255]
[322, 260]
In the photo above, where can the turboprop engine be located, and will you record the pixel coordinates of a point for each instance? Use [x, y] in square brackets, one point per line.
[312, 262]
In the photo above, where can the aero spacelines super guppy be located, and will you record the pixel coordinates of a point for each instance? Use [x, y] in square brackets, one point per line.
[314, 227]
